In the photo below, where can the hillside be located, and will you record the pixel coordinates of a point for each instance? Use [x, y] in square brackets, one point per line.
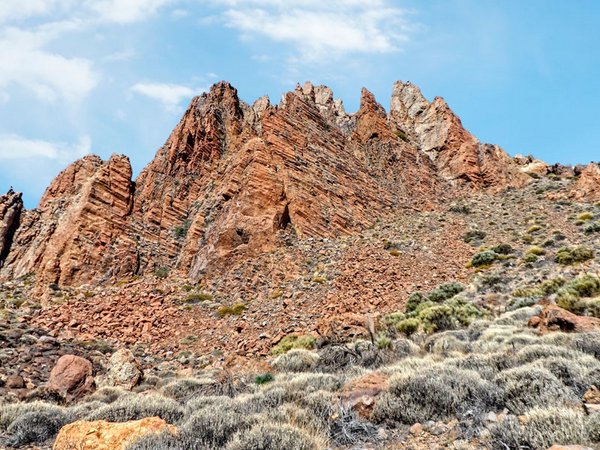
[274, 255]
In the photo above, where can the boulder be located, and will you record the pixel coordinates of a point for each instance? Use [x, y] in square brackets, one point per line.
[14, 382]
[102, 435]
[124, 370]
[361, 394]
[587, 186]
[592, 395]
[555, 318]
[72, 377]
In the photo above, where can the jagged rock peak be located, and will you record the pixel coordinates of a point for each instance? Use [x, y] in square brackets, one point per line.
[368, 103]
[407, 101]
[11, 206]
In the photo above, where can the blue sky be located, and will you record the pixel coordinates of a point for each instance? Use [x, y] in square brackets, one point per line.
[114, 76]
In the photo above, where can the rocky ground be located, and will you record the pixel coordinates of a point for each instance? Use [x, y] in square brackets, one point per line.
[228, 327]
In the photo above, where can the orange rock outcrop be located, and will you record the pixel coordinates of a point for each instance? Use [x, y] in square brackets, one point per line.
[234, 180]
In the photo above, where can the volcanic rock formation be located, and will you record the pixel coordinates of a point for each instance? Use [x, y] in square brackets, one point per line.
[587, 186]
[235, 179]
[11, 206]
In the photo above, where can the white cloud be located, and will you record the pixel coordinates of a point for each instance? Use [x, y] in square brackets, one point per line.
[170, 95]
[14, 147]
[126, 11]
[319, 29]
[27, 63]
[24, 9]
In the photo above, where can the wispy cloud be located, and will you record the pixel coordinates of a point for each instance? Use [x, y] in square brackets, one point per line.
[19, 9]
[14, 147]
[318, 29]
[170, 95]
[27, 63]
[126, 11]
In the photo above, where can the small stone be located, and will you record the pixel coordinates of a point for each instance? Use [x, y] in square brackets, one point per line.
[15, 382]
[491, 417]
[592, 395]
[416, 429]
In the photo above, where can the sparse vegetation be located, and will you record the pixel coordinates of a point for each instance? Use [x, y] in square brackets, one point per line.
[296, 360]
[484, 258]
[161, 272]
[572, 255]
[197, 298]
[593, 227]
[474, 236]
[294, 341]
[234, 310]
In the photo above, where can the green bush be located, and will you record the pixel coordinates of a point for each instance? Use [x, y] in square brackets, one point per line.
[414, 300]
[450, 315]
[474, 235]
[383, 342]
[437, 318]
[551, 286]
[263, 378]
[408, 326]
[568, 296]
[445, 292]
[572, 255]
[529, 258]
[234, 310]
[293, 341]
[197, 298]
[535, 250]
[161, 272]
[585, 216]
[484, 258]
[592, 228]
[503, 249]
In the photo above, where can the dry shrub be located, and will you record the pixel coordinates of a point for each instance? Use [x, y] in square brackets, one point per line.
[528, 387]
[276, 437]
[36, 426]
[138, 406]
[435, 394]
[186, 388]
[540, 429]
[297, 360]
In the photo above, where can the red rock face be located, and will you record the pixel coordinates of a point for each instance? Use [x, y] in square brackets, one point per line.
[234, 180]
[77, 233]
[458, 155]
[587, 187]
[11, 206]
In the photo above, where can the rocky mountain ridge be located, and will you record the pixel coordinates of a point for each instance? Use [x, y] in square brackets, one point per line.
[235, 180]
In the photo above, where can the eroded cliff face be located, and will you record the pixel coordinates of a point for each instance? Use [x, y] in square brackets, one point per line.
[439, 133]
[587, 186]
[234, 180]
[77, 233]
[11, 207]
